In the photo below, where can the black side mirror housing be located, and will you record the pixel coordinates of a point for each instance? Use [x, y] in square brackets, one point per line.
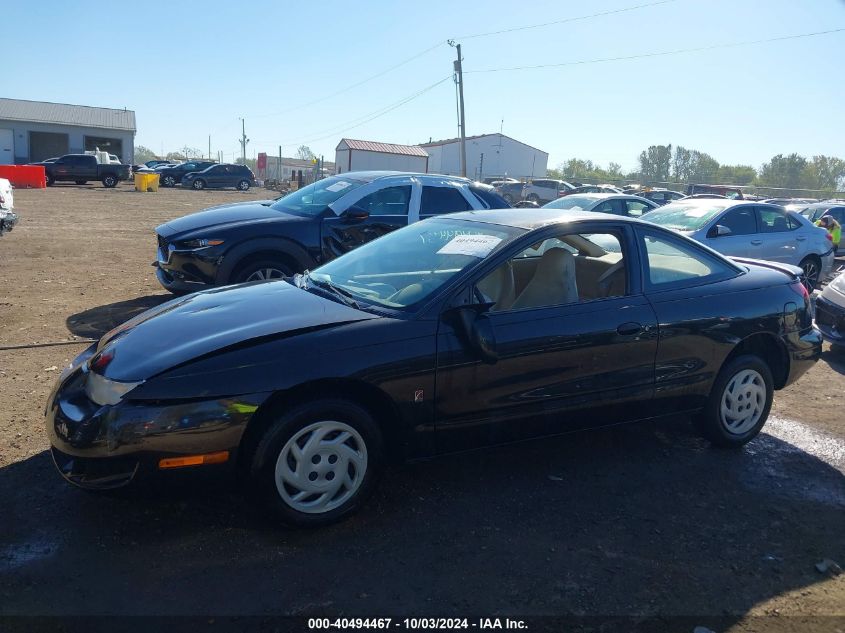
[720, 230]
[356, 213]
[476, 330]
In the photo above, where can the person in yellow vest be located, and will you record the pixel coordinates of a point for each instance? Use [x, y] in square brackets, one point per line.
[833, 227]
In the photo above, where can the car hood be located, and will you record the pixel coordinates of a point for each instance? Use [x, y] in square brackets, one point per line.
[223, 215]
[185, 329]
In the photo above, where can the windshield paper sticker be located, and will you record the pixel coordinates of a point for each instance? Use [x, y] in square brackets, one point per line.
[473, 245]
[338, 186]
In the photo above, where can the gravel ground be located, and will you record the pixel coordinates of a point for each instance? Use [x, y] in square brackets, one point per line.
[644, 521]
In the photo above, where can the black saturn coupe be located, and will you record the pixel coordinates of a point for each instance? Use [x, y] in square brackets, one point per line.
[460, 331]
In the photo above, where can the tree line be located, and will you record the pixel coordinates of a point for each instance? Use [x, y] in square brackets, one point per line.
[667, 164]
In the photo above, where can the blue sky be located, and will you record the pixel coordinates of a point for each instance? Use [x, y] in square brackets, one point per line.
[192, 69]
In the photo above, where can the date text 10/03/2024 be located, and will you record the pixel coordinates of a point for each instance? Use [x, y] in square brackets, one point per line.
[416, 623]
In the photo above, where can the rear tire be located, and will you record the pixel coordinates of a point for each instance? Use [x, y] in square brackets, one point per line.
[243, 185]
[81, 182]
[50, 181]
[739, 402]
[812, 267]
[533, 198]
[317, 463]
[199, 185]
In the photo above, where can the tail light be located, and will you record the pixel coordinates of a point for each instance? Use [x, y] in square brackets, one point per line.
[829, 236]
[800, 289]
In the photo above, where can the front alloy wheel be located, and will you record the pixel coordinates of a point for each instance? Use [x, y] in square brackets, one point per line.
[198, 184]
[169, 181]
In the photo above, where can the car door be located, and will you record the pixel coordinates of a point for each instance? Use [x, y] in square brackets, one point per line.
[216, 176]
[780, 239]
[684, 285]
[743, 239]
[376, 213]
[577, 352]
[437, 200]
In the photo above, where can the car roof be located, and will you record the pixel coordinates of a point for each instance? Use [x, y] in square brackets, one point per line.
[821, 205]
[369, 176]
[719, 202]
[530, 219]
[605, 196]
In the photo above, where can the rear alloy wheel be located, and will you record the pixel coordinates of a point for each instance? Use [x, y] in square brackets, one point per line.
[109, 181]
[243, 185]
[533, 198]
[318, 462]
[169, 181]
[198, 184]
[812, 271]
[739, 402]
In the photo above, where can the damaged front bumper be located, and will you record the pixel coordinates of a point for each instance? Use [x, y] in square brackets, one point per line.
[7, 221]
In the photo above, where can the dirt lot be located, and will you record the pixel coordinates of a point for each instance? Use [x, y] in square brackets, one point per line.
[567, 527]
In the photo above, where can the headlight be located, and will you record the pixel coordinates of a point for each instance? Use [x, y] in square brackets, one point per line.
[838, 284]
[202, 243]
[104, 391]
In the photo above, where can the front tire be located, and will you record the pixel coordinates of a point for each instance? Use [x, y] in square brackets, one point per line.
[81, 182]
[198, 184]
[317, 463]
[169, 181]
[261, 270]
[109, 181]
[50, 181]
[739, 402]
[533, 198]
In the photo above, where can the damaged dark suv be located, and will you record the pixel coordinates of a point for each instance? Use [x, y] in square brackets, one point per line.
[271, 239]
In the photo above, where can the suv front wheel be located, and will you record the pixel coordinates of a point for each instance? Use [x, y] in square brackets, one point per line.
[261, 270]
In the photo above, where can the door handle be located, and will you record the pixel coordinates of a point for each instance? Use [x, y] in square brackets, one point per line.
[801, 238]
[756, 242]
[630, 328]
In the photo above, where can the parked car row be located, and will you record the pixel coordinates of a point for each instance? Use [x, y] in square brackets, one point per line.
[200, 174]
[472, 329]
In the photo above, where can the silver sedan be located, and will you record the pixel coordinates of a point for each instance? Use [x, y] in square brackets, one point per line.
[751, 229]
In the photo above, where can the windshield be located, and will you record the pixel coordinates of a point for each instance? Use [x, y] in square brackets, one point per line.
[313, 199]
[407, 266]
[571, 202]
[684, 216]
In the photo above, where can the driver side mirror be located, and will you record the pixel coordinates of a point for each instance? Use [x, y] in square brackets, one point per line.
[475, 328]
[720, 230]
[356, 213]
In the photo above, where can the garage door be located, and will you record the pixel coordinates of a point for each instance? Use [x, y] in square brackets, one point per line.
[47, 145]
[7, 147]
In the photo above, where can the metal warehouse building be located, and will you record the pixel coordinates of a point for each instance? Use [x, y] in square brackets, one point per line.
[35, 130]
[354, 155]
[487, 155]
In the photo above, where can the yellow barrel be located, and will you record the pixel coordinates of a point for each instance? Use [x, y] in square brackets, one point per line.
[146, 182]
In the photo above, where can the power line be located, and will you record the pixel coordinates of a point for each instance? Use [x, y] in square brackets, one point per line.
[358, 122]
[565, 20]
[351, 86]
[657, 54]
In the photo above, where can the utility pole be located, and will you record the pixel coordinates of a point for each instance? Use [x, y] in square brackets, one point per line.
[244, 141]
[481, 167]
[459, 71]
[209, 147]
[279, 171]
